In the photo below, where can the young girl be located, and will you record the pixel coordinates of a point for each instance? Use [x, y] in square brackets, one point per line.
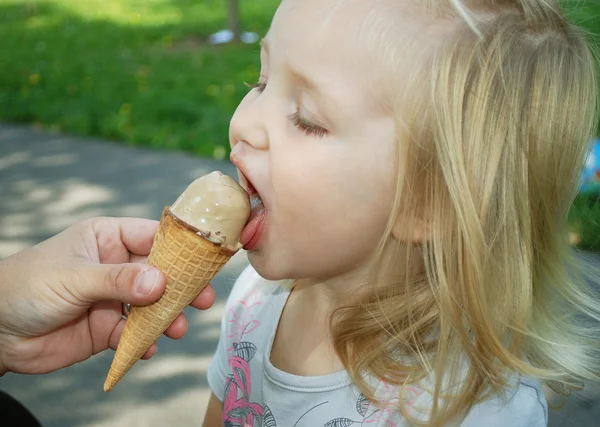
[410, 164]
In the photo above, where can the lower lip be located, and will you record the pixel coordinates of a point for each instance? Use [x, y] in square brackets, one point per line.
[253, 232]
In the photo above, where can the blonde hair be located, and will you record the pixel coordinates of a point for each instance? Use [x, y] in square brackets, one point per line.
[491, 157]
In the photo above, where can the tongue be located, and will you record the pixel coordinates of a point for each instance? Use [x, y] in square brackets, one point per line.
[257, 216]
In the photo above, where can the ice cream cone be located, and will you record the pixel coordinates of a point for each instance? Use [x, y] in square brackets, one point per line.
[189, 261]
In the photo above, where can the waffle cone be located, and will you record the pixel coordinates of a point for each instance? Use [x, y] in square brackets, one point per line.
[189, 262]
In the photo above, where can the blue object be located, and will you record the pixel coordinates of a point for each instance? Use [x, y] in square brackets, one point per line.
[590, 179]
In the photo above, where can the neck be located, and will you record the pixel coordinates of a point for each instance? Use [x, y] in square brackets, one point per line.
[325, 295]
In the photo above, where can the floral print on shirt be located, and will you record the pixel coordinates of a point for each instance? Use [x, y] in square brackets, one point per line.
[238, 411]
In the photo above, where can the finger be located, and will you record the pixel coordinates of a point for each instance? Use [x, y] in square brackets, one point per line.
[178, 328]
[137, 234]
[134, 235]
[205, 300]
[103, 318]
[138, 259]
[115, 336]
[150, 352]
[137, 284]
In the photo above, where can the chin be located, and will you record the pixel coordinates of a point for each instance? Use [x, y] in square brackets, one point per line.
[267, 267]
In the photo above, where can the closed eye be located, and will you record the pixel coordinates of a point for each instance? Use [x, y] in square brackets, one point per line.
[306, 126]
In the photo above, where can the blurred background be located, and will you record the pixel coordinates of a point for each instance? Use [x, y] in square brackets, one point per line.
[138, 71]
[111, 107]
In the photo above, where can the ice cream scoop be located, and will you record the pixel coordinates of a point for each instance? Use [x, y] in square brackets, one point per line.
[217, 206]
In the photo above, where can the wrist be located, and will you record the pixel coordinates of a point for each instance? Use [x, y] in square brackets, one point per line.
[3, 291]
[4, 294]
[3, 369]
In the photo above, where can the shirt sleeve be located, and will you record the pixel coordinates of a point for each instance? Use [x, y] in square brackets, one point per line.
[526, 408]
[218, 368]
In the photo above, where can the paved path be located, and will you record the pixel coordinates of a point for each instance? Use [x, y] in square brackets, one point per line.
[49, 182]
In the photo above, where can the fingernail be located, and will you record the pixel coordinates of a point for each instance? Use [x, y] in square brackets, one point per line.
[146, 281]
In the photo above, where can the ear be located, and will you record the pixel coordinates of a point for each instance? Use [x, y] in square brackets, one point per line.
[415, 229]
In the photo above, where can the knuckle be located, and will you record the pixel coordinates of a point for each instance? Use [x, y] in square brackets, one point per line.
[108, 239]
[97, 223]
[68, 285]
[119, 278]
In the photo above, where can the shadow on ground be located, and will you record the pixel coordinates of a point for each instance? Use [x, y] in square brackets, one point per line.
[47, 184]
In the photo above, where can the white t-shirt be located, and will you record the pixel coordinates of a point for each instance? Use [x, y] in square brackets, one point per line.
[255, 393]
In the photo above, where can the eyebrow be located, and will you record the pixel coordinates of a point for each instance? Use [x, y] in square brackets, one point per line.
[307, 82]
[327, 102]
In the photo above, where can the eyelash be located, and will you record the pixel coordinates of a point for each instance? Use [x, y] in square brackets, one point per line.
[306, 126]
[297, 120]
[260, 87]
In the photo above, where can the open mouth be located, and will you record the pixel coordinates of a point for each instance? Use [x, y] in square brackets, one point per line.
[254, 229]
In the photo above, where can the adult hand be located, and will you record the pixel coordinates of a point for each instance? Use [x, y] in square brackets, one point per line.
[61, 300]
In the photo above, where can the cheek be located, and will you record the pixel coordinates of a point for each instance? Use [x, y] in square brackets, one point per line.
[331, 196]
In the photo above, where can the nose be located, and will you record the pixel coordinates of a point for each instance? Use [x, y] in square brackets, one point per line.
[248, 123]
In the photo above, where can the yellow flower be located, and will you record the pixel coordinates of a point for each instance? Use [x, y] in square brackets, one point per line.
[34, 79]
[125, 109]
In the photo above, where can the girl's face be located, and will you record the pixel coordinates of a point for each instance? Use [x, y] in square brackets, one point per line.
[313, 141]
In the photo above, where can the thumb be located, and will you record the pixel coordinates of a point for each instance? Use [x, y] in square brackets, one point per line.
[130, 283]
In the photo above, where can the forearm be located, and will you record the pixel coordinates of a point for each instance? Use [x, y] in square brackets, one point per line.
[4, 273]
[214, 412]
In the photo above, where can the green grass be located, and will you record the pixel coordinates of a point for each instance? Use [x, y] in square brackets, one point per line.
[585, 221]
[136, 71]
